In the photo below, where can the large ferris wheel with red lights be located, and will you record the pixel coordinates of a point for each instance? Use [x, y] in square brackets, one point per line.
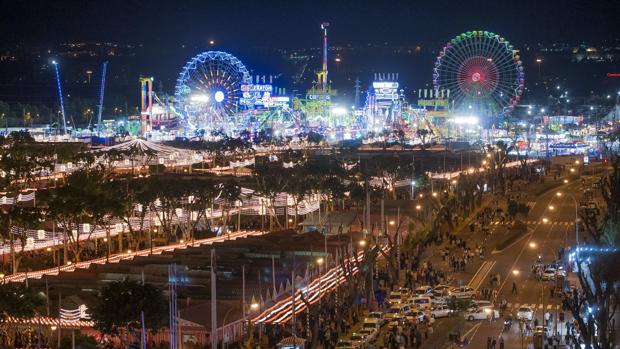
[481, 73]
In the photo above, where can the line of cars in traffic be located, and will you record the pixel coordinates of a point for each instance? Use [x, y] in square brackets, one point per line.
[418, 306]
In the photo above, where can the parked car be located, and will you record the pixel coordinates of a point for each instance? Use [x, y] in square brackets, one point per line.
[548, 274]
[370, 334]
[463, 292]
[358, 339]
[423, 290]
[479, 303]
[441, 311]
[525, 313]
[441, 290]
[397, 314]
[379, 316]
[371, 329]
[346, 344]
[481, 314]
[395, 297]
[422, 302]
[416, 316]
[541, 330]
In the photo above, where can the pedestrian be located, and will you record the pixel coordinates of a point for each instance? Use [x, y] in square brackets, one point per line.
[488, 342]
[493, 343]
[514, 287]
[501, 342]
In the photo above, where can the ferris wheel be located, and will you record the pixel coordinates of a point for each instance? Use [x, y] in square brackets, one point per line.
[208, 91]
[481, 72]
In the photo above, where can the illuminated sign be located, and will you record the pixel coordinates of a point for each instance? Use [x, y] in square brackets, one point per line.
[256, 88]
[433, 102]
[613, 75]
[385, 84]
[385, 90]
[315, 97]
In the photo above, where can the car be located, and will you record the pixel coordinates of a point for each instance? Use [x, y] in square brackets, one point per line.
[422, 302]
[397, 313]
[548, 274]
[478, 303]
[541, 330]
[379, 316]
[560, 272]
[481, 314]
[416, 316]
[525, 313]
[441, 291]
[440, 311]
[462, 292]
[358, 339]
[346, 344]
[420, 290]
[404, 291]
[439, 301]
[395, 298]
[370, 333]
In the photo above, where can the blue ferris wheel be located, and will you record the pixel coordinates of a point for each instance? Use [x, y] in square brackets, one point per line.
[208, 91]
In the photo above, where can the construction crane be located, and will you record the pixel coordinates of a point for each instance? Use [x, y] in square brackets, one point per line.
[101, 90]
[62, 101]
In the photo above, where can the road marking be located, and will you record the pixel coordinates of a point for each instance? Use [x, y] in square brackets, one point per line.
[475, 329]
[478, 278]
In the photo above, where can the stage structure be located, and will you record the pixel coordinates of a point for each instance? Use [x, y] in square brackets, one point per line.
[384, 103]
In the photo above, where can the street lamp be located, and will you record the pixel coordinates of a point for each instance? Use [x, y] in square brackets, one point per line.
[551, 207]
[545, 220]
[362, 243]
[559, 194]
[532, 245]
[515, 272]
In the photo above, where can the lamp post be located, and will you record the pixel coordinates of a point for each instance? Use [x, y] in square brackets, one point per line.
[559, 194]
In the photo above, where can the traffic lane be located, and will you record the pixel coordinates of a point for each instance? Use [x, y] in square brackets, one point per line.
[531, 292]
[512, 257]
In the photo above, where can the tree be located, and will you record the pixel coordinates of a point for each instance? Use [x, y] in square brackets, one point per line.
[18, 302]
[499, 158]
[119, 305]
[270, 181]
[81, 200]
[594, 303]
[423, 134]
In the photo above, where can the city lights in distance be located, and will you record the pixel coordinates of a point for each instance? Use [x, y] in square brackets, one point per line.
[466, 120]
[339, 111]
[199, 98]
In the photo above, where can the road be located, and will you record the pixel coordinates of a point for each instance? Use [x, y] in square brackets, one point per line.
[551, 223]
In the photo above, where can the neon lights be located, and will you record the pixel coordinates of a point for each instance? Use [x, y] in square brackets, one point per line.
[219, 96]
[62, 101]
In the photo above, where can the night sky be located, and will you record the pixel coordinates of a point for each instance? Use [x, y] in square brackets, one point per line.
[292, 23]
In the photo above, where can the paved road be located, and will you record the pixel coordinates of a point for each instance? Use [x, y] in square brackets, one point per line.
[515, 262]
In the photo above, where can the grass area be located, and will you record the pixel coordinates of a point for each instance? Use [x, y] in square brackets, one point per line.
[514, 233]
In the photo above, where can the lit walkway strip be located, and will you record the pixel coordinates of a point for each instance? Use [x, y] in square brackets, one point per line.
[115, 258]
